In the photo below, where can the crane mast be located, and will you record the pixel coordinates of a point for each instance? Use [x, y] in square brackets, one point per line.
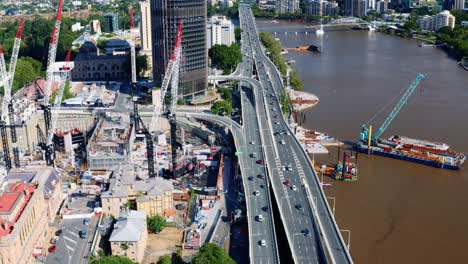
[14, 59]
[366, 133]
[171, 77]
[3, 132]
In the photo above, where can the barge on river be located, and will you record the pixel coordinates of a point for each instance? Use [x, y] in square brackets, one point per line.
[419, 151]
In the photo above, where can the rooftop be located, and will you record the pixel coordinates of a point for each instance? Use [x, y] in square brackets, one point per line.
[129, 227]
[126, 176]
[46, 176]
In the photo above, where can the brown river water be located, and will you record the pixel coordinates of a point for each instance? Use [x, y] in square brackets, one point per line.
[398, 212]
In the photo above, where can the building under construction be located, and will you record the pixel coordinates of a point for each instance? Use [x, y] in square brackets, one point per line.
[111, 142]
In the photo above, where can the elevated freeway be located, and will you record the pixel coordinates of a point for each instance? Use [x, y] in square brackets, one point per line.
[292, 165]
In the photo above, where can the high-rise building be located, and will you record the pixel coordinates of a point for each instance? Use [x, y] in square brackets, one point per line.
[219, 30]
[434, 23]
[382, 6]
[355, 8]
[111, 22]
[460, 4]
[323, 8]
[194, 68]
[287, 6]
[146, 37]
[313, 7]
[146, 27]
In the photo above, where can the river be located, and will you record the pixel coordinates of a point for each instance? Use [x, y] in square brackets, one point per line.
[398, 212]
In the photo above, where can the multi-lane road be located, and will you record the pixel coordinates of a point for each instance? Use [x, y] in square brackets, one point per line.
[312, 232]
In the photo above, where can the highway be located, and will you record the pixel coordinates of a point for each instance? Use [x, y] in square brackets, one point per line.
[306, 208]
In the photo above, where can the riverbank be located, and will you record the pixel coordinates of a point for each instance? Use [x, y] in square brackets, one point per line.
[356, 75]
[451, 51]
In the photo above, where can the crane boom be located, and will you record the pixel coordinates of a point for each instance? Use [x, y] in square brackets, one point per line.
[14, 54]
[52, 53]
[58, 98]
[172, 66]
[6, 88]
[396, 109]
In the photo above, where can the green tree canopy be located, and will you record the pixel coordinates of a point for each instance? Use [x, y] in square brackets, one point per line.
[225, 57]
[166, 259]
[27, 70]
[112, 260]
[219, 107]
[212, 254]
[156, 223]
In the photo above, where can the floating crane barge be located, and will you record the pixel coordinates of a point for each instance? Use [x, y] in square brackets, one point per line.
[398, 147]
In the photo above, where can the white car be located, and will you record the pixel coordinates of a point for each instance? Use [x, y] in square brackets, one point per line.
[262, 243]
[282, 142]
[252, 142]
[260, 218]
[256, 193]
[293, 187]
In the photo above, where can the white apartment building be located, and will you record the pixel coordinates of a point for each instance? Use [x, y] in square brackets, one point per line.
[219, 31]
[287, 6]
[436, 22]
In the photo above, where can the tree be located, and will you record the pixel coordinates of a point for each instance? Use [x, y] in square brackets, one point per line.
[141, 64]
[237, 33]
[166, 259]
[225, 57]
[221, 107]
[112, 260]
[212, 253]
[156, 223]
[27, 70]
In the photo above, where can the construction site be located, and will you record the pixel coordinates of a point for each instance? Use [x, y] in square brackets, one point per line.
[109, 156]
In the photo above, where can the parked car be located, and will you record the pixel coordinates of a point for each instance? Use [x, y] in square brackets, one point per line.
[54, 239]
[52, 248]
[83, 233]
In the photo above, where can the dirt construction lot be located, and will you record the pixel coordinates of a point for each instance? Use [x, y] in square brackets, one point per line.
[166, 242]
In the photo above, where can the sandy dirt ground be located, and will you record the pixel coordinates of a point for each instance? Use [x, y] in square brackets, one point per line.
[166, 242]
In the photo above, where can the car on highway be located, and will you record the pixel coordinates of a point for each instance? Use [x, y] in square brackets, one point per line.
[306, 232]
[261, 176]
[287, 183]
[260, 218]
[262, 243]
[252, 142]
[293, 187]
[282, 142]
[250, 178]
[58, 232]
[262, 186]
[253, 155]
[265, 208]
[277, 123]
[86, 221]
[299, 207]
[260, 162]
[52, 248]
[256, 193]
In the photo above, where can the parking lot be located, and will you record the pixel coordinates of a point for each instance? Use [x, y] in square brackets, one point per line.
[70, 248]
